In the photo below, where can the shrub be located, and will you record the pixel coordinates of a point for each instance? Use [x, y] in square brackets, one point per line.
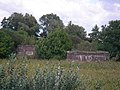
[54, 46]
[6, 44]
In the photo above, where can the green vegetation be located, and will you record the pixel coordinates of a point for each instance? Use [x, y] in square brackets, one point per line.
[18, 21]
[24, 29]
[76, 34]
[110, 37]
[6, 44]
[50, 22]
[37, 74]
[54, 46]
[17, 76]
[52, 39]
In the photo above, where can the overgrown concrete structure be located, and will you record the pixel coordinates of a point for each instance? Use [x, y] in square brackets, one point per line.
[87, 55]
[26, 51]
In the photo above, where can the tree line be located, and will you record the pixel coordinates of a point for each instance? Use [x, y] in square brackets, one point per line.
[52, 38]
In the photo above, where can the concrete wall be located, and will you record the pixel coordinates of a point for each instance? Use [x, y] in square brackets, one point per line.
[26, 51]
[87, 55]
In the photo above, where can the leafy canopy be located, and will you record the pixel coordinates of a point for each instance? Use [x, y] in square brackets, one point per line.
[18, 22]
[50, 22]
[94, 36]
[110, 38]
[6, 44]
[54, 46]
[76, 34]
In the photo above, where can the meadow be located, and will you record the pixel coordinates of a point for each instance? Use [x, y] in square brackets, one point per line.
[70, 75]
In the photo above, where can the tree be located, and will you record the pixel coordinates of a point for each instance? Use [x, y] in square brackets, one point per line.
[6, 44]
[94, 36]
[110, 38]
[76, 33]
[18, 22]
[20, 37]
[87, 46]
[5, 23]
[50, 22]
[13, 21]
[94, 39]
[54, 46]
[26, 39]
[15, 36]
[32, 24]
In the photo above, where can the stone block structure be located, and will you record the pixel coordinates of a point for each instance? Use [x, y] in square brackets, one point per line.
[26, 51]
[87, 55]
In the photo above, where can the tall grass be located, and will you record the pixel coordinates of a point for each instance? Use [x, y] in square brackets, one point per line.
[16, 76]
[59, 75]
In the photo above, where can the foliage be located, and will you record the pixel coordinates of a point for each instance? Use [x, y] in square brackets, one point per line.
[87, 46]
[26, 39]
[6, 44]
[17, 22]
[75, 30]
[50, 22]
[94, 39]
[42, 49]
[15, 36]
[13, 21]
[76, 34]
[20, 37]
[90, 75]
[21, 28]
[54, 46]
[94, 36]
[31, 22]
[54, 78]
[110, 38]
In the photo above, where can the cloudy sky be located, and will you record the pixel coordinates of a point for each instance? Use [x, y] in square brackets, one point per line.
[85, 13]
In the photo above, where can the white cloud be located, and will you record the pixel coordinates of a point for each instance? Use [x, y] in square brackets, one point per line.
[82, 12]
[7, 7]
[85, 13]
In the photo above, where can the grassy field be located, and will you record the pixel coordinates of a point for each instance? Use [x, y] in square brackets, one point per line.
[104, 75]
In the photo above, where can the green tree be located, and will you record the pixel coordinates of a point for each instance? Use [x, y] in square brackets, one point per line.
[20, 37]
[110, 38]
[87, 46]
[76, 33]
[13, 21]
[5, 23]
[26, 39]
[43, 49]
[31, 23]
[50, 22]
[6, 44]
[54, 46]
[18, 22]
[15, 36]
[94, 36]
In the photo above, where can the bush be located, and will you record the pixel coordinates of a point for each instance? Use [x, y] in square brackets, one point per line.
[6, 44]
[54, 46]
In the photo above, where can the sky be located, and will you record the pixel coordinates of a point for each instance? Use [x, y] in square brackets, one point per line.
[85, 13]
